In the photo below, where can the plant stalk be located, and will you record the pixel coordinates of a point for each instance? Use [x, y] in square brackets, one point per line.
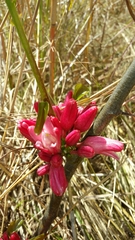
[25, 43]
[52, 41]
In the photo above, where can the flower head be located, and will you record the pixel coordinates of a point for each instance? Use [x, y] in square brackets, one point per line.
[64, 130]
[51, 136]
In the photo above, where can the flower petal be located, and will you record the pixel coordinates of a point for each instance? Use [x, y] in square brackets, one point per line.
[5, 236]
[56, 160]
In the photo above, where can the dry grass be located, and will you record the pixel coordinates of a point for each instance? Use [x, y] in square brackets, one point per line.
[100, 201]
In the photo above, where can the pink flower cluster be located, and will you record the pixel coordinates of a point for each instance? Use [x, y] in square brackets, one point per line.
[61, 134]
[13, 236]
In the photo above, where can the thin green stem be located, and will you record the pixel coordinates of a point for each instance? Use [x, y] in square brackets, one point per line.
[24, 41]
[52, 40]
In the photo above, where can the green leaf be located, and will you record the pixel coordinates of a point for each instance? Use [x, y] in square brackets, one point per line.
[78, 216]
[43, 109]
[13, 226]
[80, 90]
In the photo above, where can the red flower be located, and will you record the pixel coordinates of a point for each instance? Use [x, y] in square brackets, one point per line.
[69, 115]
[14, 236]
[46, 157]
[49, 140]
[100, 145]
[23, 126]
[57, 178]
[85, 151]
[4, 236]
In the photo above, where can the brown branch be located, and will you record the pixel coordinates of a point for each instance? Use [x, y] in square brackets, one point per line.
[113, 106]
[131, 9]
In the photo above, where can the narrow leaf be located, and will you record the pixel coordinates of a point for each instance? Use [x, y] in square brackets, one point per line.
[80, 90]
[43, 109]
[13, 226]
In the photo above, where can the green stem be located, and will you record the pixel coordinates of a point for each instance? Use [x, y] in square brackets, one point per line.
[24, 41]
[52, 40]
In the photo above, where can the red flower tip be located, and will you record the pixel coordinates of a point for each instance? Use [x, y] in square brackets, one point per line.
[43, 170]
[73, 137]
[102, 145]
[4, 236]
[14, 236]
[69, 115]
[85, 119]
[36, 106]
[57, 177]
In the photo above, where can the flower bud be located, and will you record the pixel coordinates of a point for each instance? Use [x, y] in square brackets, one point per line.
[69, 115]
[85, 120]
[73, 137]
[14, 236]
[36, 106]
[24, 125]
[4, 236]
[43, 170]
[85, 151]
[102, 145]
